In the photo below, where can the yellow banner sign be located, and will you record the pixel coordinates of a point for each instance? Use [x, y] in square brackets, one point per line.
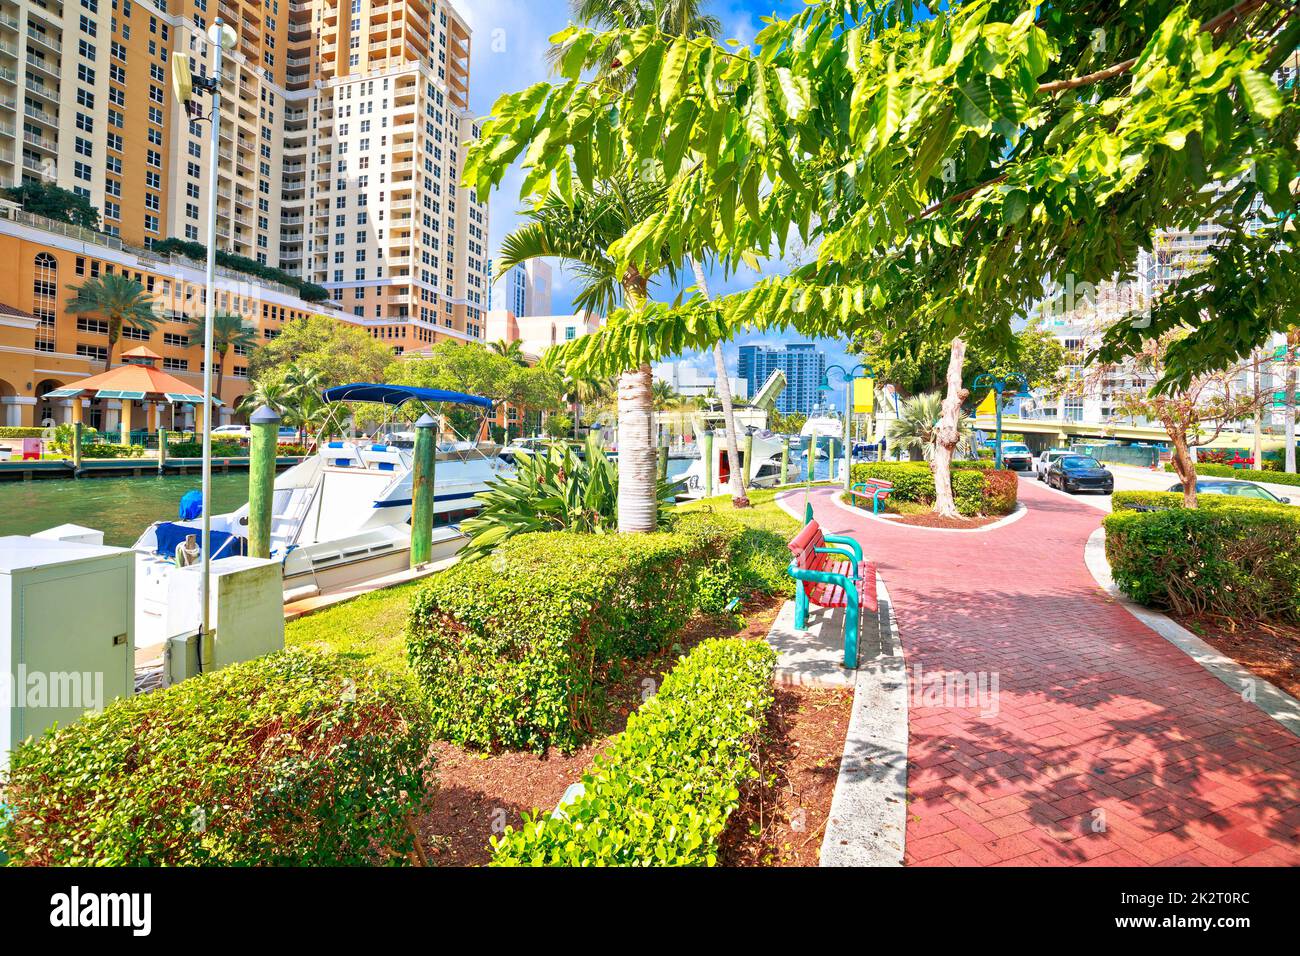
[864, 396]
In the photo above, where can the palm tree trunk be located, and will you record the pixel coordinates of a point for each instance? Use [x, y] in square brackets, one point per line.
[737, 488]
[638, 458]
[948, 433]
[114, 333]
[221, 372]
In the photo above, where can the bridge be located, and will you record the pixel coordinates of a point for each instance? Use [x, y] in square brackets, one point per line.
[1043, 433]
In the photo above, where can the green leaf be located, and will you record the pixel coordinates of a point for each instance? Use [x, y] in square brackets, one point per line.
[670, 78]
[1260, 94]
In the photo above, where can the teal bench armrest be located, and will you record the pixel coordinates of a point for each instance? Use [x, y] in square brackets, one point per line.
[848, 542]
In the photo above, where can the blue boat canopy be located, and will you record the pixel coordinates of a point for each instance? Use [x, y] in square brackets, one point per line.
[399, 395]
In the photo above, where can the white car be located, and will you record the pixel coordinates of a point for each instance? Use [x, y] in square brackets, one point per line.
[1045, 460]
[1017, 457]
[232, 431]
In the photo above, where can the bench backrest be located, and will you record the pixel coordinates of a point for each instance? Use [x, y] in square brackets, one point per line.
[804, 545]
[879, 484]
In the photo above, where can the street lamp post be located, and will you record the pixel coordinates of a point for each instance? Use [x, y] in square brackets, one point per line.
[850, 375]
[222, 38]
[999, 384]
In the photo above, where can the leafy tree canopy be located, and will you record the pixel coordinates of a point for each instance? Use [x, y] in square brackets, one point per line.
[53, 202]
[338, 352]
[915, 363]
[948, 168]
[469, 367]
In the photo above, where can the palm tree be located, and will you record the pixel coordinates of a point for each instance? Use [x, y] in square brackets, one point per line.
[580, 235]
[228, 330]
[916, 428]
[673, 18]
[514, 351]
[119, 300]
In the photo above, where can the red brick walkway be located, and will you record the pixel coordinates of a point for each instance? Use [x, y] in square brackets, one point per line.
[1107, 746]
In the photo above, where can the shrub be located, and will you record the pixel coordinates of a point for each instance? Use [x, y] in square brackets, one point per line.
[1159, 500]
[977, 488]
[1001, 491]
[663, 792]
[107, 450]
[293, 758]
[756, 553]
[513, 651]
[552, 490]
[1229, 558]
[194, 449]
[307, 291]
[10, 431]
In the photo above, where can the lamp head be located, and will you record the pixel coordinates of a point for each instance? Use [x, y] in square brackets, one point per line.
[224, 34]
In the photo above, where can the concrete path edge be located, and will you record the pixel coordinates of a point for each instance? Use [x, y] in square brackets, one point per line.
[867, 824]
[1272, 700]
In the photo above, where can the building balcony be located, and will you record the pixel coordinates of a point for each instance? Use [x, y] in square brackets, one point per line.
[45, 40]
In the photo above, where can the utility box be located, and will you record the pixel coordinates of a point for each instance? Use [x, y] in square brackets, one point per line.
[246, 615]
[71, 532]
[66, 633]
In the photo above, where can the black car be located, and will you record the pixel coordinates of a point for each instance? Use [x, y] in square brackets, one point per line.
[1080, 473]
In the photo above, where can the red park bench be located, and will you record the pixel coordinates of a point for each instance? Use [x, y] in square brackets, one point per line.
[831, 577]
[874, 489]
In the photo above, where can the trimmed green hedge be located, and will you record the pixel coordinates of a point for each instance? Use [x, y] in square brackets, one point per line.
[1227, 557]
[294, 758]
[513, 650]
[10, 431]
[1207, 470]
[101, 449]
[977, 487]
[741, 556]
[194, 449]
[662, 793]
[1159, 500]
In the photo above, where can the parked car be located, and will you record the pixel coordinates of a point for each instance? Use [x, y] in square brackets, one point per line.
[232, 431]
[1045, 459]
[1080, 473]
[1017, 456]
[1230, 486]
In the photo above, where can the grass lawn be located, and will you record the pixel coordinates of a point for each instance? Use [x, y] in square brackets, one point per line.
[765, 514]
[371, 628]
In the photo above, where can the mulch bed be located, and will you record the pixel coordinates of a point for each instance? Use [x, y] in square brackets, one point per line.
[782, 815]
[1270, 651]
[929, 519]
[480, 794]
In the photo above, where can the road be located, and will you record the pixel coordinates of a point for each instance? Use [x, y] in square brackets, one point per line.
[1129, 478]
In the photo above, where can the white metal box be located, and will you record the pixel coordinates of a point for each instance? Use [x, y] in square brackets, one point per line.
[66, 623]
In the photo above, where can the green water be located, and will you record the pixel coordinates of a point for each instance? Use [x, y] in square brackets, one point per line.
[119, 507]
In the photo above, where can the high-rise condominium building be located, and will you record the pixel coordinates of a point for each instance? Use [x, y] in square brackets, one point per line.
[528, 288]
[342, 137]
[804, 365]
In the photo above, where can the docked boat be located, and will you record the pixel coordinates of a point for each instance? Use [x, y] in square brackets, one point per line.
[341, 516]
[764, 472]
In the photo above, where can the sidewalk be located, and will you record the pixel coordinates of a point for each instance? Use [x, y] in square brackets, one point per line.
[1048, 726]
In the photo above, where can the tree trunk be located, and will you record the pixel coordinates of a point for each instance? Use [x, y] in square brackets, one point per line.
[947, 434]
[1184, 464]
[737, 488]
[114, 333]
[1257, 447]
[638, 458]
[1292, 341]
[221, 373]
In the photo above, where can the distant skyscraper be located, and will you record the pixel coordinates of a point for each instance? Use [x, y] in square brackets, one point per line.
[804, 366]
[527, 289]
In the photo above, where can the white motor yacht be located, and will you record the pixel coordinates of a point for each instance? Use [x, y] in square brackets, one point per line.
[342, 515]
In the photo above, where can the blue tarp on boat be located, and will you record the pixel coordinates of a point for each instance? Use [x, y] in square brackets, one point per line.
[399, 395]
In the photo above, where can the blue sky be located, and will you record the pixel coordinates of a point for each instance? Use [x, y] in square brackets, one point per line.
[508, 54]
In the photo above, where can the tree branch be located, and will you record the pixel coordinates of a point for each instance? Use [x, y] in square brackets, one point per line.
[1213, 25]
